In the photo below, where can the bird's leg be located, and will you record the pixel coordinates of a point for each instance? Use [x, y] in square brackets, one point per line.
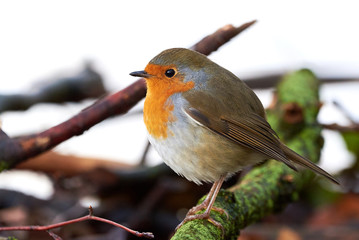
[205, 203]
[208, 205]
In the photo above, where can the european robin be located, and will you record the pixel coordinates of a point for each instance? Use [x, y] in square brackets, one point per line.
[207, 124]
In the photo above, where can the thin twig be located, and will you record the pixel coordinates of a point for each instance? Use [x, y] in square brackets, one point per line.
[265, 80]
[86, 84]
[341, 128]
[144, 154]
[54, 236]
[214, 41]
[345, 111]
[80, 219]
[352, 127]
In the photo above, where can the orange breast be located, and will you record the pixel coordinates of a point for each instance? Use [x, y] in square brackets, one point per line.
[158, 108]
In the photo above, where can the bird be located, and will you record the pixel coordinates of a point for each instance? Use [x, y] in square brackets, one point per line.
[207, 124]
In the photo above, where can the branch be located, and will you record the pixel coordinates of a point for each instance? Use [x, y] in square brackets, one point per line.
[271, 80]
[69, 165]
[86, 84]
[267, 188]
[354, 127]
[14, 151]
[346, 112]
[212, 42]
[77, 220]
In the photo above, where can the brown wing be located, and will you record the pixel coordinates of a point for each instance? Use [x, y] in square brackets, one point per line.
[251, 131]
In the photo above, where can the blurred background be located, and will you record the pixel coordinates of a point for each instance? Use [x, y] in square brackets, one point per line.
[44, 41]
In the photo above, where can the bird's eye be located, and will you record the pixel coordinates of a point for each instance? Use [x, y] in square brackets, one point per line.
[170, 73]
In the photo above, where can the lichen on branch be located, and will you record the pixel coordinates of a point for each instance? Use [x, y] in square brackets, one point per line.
[268, 188]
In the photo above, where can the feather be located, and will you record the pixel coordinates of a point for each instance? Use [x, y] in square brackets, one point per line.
[254, 132]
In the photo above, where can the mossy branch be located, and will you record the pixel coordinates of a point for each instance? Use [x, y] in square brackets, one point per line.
[269, 187]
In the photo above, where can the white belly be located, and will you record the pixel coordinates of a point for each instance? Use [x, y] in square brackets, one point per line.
[201, 155]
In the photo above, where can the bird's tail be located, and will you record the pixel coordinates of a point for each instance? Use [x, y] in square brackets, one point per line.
[297, 159]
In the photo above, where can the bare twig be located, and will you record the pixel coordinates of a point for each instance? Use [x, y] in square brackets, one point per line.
[144, 154]
[90, 216]
[53, 235]
[214, 41]
[265, 81]
[14, 151]
[353, 127]
[340, 128]
[86, 84]
[345, 111]
[69, 165]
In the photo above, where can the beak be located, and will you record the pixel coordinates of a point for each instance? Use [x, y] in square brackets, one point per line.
[143, 74]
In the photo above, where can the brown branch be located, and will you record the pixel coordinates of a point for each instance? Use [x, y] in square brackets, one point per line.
[52, 162]
[86, 84]
[77, 220]
[212, 42]
[340, 128]
[353, 127]
[271, 80]
[14, 151]
[54, 236]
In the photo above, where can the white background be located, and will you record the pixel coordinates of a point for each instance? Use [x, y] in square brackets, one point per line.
[43, 39]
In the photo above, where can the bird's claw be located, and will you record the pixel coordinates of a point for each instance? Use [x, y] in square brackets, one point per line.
[202, 216]
[192, 216]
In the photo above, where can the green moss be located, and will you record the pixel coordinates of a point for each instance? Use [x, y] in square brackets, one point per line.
[351, 139]
[269, 187]
[3, 166]
[302, 88]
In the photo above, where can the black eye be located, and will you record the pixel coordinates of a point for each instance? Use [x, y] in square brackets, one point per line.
[170, 72]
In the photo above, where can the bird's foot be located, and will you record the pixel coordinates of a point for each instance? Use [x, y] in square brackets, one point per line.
[206, 215]
[207, 204]
[201, 216]
[203, 206]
